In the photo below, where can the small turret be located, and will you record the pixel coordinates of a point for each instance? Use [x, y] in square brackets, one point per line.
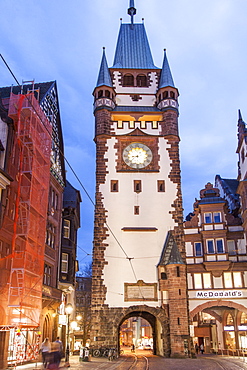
[167, 94]
[104, 94]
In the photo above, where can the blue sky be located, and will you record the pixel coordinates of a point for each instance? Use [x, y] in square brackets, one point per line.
[206, 48]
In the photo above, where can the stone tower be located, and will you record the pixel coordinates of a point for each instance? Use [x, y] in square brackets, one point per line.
[138, 188]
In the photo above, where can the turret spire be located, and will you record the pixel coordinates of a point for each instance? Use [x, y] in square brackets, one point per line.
[104, 77]
[132, 11]
[166, 76]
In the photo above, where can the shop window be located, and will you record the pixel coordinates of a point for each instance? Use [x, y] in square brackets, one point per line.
[66, 229]
[65, 263]
[228, 280]
[198, 249]
[136, 210]
[198, 281]
[229, 320]
[243, 318]
[210, 246]
[114, 186]
[141, 81]
[208, 218]
[219, 246]
[231, 247]
[128, 80]
[217, 217]
[161, 186]
[207, 283]
[237, 279]
[137, 186]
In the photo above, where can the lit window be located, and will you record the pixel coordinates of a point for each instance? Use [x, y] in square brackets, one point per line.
[198, 249]
[243, 319]
[228, 279]
[208, 218]
[119, 124]
[231, 247]
[207, 281]
[219, 246]
[64, 262]
[229, 320]
[237, 279]
[210, 246]
[66, 229]
[131, 124]
[155, 124]
[217, 217]
[198, 281]
[143, 124]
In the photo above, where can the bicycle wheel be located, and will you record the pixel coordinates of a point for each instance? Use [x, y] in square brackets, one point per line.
[96, 353]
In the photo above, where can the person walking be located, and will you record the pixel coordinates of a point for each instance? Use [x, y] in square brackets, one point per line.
[45, 349]
[196, 348]
[202, 348]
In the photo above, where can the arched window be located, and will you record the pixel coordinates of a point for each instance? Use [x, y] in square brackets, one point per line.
[229, 319]
[128, 80]
[165, 94]
[172, 94]
[141, 81]
[100, 94]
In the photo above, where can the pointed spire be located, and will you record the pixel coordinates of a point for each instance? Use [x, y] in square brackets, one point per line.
[170, 253]
[166, 76]
[239, 115]
[132, 11]
[104, 77]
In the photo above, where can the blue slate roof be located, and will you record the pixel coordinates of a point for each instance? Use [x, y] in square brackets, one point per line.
[170, 253]
[135, 109]
[104, 77]
[166, 75]
[133, 49]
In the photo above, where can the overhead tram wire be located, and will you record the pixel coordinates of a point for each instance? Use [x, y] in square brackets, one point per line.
[73, 171]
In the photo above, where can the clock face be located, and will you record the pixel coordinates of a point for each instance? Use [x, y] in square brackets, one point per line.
[137, 155]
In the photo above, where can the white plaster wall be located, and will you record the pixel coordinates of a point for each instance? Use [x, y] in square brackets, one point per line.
[145, 101]
[135, 90]
[144, 247]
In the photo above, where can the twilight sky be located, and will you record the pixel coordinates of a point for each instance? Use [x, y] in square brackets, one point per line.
[206, 44]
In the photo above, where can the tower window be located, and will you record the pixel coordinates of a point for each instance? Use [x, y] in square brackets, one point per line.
[107, 94]
[141, 81]
[165, 94]
[161, 185]
[131, 124]
[178, 321]
[128, 80]
[155, 124]
[179, 291]
[100, 94]
[172, 94]
[163, 276]
[143, 124]
[178, 271]
[136, 210]
[137, 186]
[114, 186]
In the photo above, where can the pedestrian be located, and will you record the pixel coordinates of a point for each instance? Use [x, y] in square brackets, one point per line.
[133, 348]
[45, 349]
[60, 346]
[202, 348]
[54, 356]
[196, 348]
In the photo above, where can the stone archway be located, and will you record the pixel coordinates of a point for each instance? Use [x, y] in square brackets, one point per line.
[158, 321]
[219, 303]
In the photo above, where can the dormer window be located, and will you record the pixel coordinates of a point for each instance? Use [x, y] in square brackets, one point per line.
[141, 81]
[128, 80]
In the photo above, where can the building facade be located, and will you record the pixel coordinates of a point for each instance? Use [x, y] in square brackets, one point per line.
[138, 193]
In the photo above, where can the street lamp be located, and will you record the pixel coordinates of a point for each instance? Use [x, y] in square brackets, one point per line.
[68, 310]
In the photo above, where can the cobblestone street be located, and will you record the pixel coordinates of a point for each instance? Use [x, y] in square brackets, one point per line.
[125, 362]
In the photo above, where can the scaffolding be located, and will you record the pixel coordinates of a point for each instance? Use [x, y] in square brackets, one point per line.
[30, 167]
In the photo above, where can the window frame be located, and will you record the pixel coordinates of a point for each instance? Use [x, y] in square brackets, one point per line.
[64, 262]
[208, 217]
[216, 245]
[66, 229]
[195, 250]
[213, 244]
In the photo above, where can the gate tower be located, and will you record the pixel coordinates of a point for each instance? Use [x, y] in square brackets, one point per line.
[138, 197]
